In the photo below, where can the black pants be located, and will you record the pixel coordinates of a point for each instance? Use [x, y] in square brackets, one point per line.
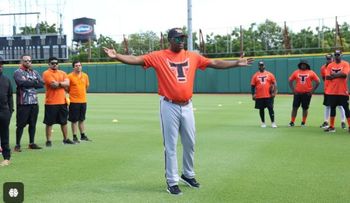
[339, 100]
[5, 117]
[26, 114]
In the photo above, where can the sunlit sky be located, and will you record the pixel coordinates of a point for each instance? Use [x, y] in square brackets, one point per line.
[115, 17]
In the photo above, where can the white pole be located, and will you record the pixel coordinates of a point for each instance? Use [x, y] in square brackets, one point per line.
[189, 25]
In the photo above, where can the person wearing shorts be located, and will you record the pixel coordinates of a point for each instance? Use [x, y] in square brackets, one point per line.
[56, 111]
[79, 83]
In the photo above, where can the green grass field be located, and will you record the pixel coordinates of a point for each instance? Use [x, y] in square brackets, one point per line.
[236, 160]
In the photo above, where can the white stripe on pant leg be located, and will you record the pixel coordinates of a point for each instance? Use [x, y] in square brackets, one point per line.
[169, 116]
[187, 132]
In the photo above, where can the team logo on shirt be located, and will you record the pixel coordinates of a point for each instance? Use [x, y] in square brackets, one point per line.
[262, 79]
[180, 69]
[336, 70]
[303, 78]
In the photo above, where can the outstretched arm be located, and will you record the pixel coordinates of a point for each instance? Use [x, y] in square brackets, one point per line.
[221, 64]
[128, 59]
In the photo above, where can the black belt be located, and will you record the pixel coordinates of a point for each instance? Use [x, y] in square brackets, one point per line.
[181, 103]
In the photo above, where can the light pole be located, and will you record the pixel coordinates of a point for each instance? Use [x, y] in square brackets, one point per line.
[189, 25]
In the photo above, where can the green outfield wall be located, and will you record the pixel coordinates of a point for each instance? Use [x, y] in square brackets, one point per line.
[121, 78]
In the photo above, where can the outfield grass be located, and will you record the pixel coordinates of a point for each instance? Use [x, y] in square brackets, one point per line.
[236, 160]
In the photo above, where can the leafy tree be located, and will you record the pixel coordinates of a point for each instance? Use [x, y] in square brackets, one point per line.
[41, 28]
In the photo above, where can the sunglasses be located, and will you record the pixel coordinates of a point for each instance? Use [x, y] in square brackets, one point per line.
[54, 63]
[27, 61]
[179, 40]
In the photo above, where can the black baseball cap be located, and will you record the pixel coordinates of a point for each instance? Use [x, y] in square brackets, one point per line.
[329, 56]
[176, 32]
[337, 52]
[261, 63]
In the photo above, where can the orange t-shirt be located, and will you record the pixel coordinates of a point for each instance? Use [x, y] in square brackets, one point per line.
[262, 82]
[323, 74]
[54, 96]
[175, 72]
[337, 86]
[303, 80]
[78, 85]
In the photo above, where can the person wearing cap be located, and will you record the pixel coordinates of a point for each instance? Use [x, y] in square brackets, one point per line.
[327, 108]
[27, 81]
[302, 90]
[6, 110]
[337, 88]
[175, 69]
[264, 89]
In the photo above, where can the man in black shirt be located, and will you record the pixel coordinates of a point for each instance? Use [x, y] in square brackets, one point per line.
[6, 109]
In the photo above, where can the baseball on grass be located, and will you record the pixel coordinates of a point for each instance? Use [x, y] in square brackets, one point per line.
[239, 102]
[219, 104]
[114, 120]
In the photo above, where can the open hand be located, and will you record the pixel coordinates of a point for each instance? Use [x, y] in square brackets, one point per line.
[245, 61]
[110, 52]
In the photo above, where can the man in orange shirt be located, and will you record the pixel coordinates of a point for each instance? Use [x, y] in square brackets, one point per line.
[327, 108]
[337, 88]
[56, 112]
[263, 86]
[78, 85]
[303, 89]
[175, 69]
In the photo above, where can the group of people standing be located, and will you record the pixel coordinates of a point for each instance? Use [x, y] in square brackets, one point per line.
[303, 82]
[57, 84]
[175, 69]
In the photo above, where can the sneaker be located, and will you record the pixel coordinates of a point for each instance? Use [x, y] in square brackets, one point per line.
[273, 125]
[0, 150]
[302, 124]
[17, 148]
[343, 125]
[68, 141]
[330, 130]
[85, 138]
[76, 140]
[291, 124]
[48, 143]
[324, 125]
[263, 125]
[5, 162]
[174, 190]
[190, 181]
[34, 146]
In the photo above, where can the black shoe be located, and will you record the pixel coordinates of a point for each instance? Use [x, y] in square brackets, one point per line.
[324, 125]
[17, 148]
[330, 130]
[48, 144]
[68, 141]
[343, 125]
[174, 190]
[302, 124]
[291, 124]
[76, 140]
[34, 146]
[85, 138]
[190, 181]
